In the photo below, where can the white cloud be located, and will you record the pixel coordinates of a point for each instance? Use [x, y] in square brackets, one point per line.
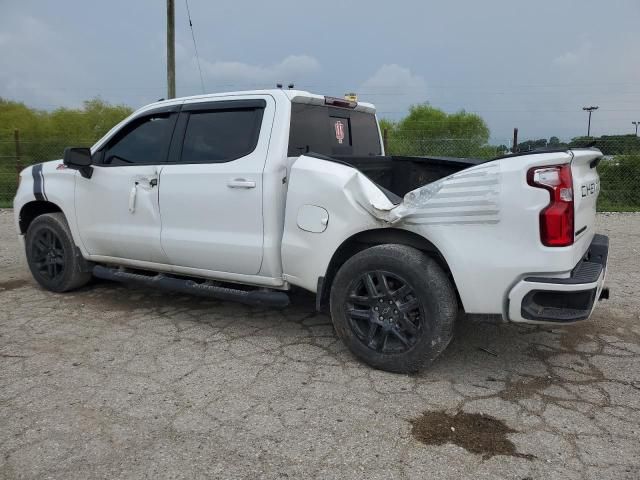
[238, 75]
[393, 89]
[574, 57]
[394, 76]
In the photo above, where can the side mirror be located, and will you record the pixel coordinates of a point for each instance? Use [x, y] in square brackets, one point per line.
[78, 158]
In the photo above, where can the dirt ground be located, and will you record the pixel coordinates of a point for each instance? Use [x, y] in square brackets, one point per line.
[117, 382]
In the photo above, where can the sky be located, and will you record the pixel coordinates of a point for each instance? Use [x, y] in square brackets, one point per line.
[531, 65]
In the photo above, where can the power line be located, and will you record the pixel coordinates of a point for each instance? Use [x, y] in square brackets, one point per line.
[195, 47]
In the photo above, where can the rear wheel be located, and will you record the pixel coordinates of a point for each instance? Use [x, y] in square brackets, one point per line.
[394, 307]
[51, 254]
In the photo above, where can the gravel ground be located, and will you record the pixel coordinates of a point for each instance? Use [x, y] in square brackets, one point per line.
[116, 382]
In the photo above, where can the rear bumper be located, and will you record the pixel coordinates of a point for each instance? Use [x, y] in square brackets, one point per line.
[540, 299]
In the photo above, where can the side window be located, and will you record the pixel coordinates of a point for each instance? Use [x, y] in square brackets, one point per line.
[221, 135]
[146, 140]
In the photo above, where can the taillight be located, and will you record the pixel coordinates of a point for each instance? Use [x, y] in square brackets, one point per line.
[556, 219]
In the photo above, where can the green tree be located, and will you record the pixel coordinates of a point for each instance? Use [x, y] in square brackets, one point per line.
[387, 125]
[44, 135]
[90, 123]
[427, 130]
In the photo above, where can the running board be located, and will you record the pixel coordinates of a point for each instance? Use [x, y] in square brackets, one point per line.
[260, 298]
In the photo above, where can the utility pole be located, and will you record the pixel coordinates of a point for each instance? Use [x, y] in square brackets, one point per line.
[590, 110]
[636, 124]
[171, 50]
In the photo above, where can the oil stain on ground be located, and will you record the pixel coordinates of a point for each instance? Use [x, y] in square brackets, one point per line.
[476, 433]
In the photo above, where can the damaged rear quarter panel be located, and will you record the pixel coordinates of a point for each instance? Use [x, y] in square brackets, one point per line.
[355, 204]
[471, 196]
[485, 222]
[352, 202]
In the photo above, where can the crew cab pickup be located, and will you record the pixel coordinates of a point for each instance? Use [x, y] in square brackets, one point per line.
[242, 196]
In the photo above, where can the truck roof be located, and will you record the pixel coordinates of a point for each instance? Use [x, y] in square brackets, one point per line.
[295, 96]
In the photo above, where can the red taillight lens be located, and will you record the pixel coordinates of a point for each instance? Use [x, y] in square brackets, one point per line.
[556, 219]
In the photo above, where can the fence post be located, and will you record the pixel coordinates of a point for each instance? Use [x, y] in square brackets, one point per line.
[385, 140]
[16, 139]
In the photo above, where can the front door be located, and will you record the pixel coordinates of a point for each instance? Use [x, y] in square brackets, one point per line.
[117, 208]
[211, 199]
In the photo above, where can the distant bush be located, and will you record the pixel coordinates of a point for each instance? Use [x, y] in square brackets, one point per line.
[610, 144]
[427, 130]
[44, 135]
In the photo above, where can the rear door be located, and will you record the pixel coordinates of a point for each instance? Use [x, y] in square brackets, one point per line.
[586, 188]
[211, 191]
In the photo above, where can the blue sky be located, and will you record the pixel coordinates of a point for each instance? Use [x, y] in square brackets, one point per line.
[531, 65]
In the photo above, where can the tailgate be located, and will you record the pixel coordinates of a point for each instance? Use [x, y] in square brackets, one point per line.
[586, 187]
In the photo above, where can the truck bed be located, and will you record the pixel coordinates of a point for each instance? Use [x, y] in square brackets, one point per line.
[400, 175]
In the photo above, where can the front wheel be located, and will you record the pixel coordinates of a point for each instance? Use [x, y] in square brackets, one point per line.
[394, 307]
[51, 254]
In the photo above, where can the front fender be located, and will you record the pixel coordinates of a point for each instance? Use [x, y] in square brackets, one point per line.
[52, 183]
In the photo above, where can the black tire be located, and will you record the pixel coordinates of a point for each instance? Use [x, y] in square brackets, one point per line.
[51, 254]
[414, 293]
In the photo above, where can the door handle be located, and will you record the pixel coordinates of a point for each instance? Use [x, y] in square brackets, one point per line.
[132, 197]
[241, 183]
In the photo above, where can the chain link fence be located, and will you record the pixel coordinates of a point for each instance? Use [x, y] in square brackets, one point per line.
[619, 170]
[17, 153]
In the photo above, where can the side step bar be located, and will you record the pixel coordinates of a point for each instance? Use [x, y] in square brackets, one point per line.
[260, 298]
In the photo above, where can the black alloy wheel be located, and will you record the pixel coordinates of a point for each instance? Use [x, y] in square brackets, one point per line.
[394, 307]
[47, 253]
[384, 312]
[53, 258]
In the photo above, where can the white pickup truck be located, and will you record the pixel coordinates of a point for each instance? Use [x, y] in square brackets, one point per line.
[242, 196]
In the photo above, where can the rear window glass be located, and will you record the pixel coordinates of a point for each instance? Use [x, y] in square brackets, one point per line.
[332, 131]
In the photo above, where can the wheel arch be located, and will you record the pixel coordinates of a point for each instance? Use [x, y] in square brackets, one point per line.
[369, 238]
[31, 210]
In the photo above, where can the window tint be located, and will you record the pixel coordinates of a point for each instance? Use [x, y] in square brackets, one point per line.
[221, 135]
[332, 131]
[144, 141]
